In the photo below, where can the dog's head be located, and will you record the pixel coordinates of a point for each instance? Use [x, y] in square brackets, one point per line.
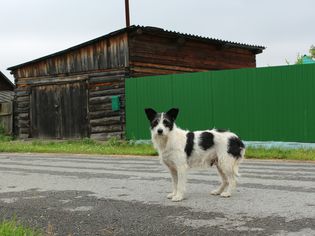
[161, 123]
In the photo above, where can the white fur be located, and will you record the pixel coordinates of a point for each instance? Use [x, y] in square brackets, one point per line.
[171, 149]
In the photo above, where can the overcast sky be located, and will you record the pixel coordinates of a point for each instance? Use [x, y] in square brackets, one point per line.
[35, 28]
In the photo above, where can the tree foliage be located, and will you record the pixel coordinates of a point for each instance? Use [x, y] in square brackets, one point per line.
[312, 51]
[299, 58]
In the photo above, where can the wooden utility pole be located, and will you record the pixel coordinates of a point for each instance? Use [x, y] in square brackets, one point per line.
[127, 13]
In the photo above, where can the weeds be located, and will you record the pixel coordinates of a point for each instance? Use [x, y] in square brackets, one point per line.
[12, 227]
[3, 136]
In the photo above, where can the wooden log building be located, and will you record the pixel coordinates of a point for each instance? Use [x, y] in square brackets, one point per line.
[79, 92]
[5, 83]
[6, 104]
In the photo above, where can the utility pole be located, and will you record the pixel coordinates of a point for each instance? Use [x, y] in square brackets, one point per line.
[127, 13]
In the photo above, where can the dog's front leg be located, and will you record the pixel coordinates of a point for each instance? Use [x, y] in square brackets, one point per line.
[181, 184]
[173, 172]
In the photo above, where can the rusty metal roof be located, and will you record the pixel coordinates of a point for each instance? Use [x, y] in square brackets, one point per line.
[153, 30]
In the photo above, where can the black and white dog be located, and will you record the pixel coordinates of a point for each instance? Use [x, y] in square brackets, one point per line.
[179, 150]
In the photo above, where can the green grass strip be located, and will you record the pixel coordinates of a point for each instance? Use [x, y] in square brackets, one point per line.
[85, 146]
[118, 147]
[12, 228]
[281, 153]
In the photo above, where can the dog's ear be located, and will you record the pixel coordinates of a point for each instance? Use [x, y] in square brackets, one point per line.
[150, 113]
[172, 113]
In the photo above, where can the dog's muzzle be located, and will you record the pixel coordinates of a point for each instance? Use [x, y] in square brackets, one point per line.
[160, 131]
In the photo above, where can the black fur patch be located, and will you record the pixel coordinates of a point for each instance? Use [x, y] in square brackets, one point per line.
[235, 147]
[155, 121]
[168, 122]
[189, 143]
[206, 140]
[172, 113]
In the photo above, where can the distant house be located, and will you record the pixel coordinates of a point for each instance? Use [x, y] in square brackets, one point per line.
[6, 104]
[5, 83]
[307, 60]
[79, 92]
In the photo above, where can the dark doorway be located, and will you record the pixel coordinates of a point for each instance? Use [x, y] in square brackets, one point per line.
[59, 111]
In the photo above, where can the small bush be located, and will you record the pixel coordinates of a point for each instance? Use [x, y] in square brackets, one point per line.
[88, 141]
[3, 135]
[115, 142]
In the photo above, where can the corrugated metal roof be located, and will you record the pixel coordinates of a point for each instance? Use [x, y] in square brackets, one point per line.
[148, 29]
[198, 37]
[6, 96]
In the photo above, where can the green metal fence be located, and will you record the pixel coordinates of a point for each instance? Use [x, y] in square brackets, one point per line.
[263, 104]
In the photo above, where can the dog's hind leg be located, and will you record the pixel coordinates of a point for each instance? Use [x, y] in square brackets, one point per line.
[181, 184]
[224, 181]
[228, 169]
[173, 172]
[231, 186]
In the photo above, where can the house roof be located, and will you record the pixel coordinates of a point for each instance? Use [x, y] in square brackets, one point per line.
[149, 29]
[6, 80]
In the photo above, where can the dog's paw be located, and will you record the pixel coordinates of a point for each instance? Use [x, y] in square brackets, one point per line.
[225, 194]
[170, 196]
[216, 192]
[177, 198]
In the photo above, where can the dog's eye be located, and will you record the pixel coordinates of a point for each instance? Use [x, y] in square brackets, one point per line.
[166, 123]
[155, 123]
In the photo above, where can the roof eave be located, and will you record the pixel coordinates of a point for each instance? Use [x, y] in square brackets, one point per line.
[7, 80]
[72, 48]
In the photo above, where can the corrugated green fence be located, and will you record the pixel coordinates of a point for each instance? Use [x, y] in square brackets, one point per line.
[263, 104]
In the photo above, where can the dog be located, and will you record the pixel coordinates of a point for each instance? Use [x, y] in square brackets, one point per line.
[180, 150]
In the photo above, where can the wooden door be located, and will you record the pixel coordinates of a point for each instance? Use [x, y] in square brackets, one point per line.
[59, 111]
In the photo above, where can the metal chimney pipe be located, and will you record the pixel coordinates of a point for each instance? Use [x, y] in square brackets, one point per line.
[127, 13]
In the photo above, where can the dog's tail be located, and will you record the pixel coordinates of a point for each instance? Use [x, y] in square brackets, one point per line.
[237, 163]
[235, 169]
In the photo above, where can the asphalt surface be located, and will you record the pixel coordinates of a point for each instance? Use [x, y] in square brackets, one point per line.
[97, 195]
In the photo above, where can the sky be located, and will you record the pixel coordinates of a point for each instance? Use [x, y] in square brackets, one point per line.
[35, 28]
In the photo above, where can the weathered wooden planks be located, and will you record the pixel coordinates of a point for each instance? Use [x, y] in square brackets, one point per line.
[165, 54]
[59, 111]
[106, 53]
[105, 123]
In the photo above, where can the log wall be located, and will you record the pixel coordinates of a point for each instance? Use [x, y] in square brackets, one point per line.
[165, 54]
[22, 112]
[105, 123]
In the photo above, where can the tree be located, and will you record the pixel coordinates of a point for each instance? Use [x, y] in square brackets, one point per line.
[312, 51]
[299, 58]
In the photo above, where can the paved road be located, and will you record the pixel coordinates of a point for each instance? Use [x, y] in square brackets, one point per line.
[94, 195]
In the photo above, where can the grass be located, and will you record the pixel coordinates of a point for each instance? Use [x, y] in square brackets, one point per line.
[118, 147]
[281, 153]
[84, 146]
[12, 228]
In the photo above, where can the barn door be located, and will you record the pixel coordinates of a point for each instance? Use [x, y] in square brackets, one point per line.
[59, 111]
